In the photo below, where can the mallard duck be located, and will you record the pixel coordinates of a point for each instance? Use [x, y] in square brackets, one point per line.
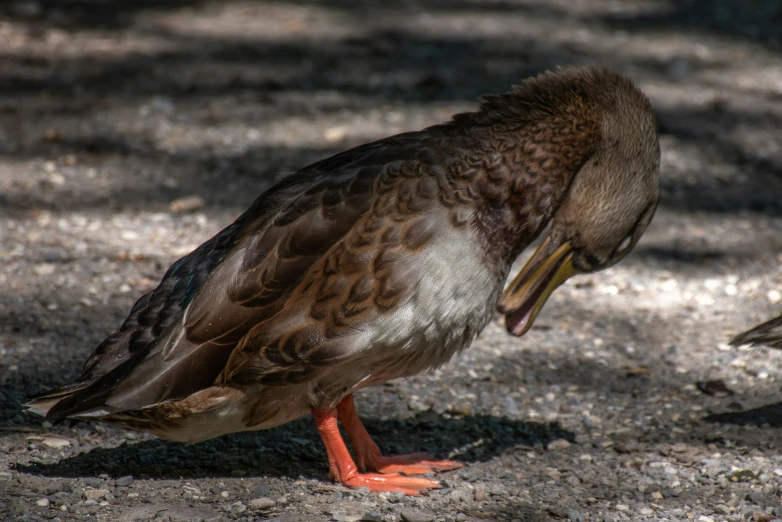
[378, 263]
[765, 334]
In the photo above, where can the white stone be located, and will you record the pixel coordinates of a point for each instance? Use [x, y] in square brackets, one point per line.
[56, 443]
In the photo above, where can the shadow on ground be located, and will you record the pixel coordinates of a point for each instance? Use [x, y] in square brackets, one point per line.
[388, 65]
[78, 14]
[295, 448]
[768, 416]
[759, 21]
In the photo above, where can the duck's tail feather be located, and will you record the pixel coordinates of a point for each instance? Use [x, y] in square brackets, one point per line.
[43, 405]
[767, 334]
[79, 399]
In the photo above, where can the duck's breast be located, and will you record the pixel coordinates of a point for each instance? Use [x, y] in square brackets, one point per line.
[454, 293]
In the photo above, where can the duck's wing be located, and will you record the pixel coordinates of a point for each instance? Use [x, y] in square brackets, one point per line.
[768, 334]
[178, 338]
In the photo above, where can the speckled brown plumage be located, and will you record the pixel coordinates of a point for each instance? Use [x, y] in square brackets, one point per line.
[376, 263]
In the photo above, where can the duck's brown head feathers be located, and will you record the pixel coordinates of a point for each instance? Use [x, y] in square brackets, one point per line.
[612, 197]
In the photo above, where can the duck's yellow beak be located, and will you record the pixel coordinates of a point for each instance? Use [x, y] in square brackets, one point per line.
[524, 298]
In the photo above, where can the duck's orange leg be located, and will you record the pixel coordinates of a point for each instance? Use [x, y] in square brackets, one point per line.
[343, 469]
[368, 454]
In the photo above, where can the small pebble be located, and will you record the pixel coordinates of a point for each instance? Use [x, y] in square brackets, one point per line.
[335, 134]
[717, 388]
[558, 444]
[42, 502]
[56, 443]
[125, 481]
[415, 516]
[417, 405]
[44, 269]
[187, 204]
[261, 503]
[396, 497]
[262, 490]
[95, 494]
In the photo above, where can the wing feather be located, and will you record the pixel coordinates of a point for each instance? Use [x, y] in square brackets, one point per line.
[273, 298]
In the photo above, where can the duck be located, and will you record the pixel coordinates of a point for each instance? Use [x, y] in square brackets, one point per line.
[378, 263]
[767, 334]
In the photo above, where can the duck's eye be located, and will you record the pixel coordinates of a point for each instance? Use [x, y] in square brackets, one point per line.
[624, 244]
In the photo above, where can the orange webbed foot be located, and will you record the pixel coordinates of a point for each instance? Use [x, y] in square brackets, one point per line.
[368, 455]
[410, 464]
[392, 473]
[379, 483]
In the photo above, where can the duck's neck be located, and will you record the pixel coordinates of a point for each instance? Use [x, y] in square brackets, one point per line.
[521, 176]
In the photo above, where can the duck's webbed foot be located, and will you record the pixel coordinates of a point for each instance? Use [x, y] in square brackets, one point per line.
[344, 470]
[368, 455]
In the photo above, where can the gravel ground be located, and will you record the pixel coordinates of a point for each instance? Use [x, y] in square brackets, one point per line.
[132, 131]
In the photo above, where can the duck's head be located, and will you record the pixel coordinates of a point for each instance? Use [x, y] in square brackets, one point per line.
[606, 209]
